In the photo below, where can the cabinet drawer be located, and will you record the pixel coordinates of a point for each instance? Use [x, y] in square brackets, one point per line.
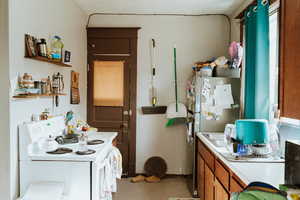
[222, 174]
[206, 155]
[235, 185]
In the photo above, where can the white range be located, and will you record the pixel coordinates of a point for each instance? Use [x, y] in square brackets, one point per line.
[79, 174]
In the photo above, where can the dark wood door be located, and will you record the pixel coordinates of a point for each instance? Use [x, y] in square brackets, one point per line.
[112, 87]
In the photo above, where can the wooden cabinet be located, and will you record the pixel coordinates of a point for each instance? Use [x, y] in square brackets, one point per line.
[215, 180]
[207, 156]
[222, 174]
[209, 184]
[235, 185]
[201, 177]
[220, 192]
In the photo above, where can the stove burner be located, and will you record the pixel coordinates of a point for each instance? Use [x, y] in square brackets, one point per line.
[61, 151]
[95, 142]
[88, 152]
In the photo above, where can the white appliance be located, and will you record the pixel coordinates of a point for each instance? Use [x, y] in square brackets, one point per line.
[79, 174]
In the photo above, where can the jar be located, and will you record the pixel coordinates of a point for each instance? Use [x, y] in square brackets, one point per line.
[42, 47]
[26, 81]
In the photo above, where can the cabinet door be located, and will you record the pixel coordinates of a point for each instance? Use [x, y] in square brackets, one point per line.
[235, 185]
[209, 184]
[201, 177]
[220, 192]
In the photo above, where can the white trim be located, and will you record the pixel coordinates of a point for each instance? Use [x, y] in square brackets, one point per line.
[275, 6]
[290, 122]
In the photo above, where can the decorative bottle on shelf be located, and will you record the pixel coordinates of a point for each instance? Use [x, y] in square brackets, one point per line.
[56, 48]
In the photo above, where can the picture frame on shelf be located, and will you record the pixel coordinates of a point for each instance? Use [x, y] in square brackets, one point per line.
[67, 57]
[30, 46]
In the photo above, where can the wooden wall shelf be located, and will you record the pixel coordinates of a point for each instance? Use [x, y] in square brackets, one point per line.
[153, 110]
[43, 59]
[30, 96]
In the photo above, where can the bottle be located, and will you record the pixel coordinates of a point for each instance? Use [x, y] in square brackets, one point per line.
[83, 142]
[56, 48]
[275, 141]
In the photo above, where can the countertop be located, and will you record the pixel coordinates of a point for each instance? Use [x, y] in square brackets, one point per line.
[271, 173]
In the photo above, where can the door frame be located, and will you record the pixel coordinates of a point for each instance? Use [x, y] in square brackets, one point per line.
[130, 33]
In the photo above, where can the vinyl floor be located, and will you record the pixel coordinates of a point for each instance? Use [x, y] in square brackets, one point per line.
[168, 187]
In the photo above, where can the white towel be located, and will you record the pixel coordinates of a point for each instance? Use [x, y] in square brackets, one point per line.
[111, 171]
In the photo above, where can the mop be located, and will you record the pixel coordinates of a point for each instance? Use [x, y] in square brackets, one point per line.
[176, 112]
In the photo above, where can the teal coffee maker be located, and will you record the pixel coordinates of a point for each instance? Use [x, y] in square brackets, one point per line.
[253, 135]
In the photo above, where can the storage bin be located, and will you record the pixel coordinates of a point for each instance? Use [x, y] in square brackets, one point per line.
[228, 72]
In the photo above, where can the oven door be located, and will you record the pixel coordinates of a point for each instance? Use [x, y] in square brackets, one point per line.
[74, 175]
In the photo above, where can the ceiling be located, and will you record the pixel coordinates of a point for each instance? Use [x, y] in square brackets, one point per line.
[160, 6]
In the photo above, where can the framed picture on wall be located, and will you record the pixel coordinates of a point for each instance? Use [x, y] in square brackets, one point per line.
[75, 95]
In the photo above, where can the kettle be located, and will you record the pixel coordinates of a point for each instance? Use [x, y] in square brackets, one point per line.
[49, 144]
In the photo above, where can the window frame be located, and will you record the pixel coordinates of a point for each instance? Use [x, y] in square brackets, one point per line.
[275, 7]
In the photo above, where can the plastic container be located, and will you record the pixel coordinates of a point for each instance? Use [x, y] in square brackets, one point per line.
[206, 72]
[228, 72]
[56, 48]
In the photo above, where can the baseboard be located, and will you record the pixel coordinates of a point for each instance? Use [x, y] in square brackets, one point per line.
[167, 175]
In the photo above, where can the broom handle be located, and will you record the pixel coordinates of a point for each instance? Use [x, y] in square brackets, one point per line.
[175, 70]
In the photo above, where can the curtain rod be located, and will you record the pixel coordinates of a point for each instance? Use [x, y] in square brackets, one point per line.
[275, 3]
[163, 14]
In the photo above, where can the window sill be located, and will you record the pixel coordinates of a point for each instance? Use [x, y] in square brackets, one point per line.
[290, 122]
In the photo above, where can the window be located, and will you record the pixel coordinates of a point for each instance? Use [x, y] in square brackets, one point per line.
[274, 55]
[108, 83]
[274, 58]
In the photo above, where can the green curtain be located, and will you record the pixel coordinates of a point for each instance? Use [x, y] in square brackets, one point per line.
[257, 80]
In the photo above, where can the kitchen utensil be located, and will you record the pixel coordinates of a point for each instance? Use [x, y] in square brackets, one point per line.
[156, 166]
[49, 144]
[57, 83]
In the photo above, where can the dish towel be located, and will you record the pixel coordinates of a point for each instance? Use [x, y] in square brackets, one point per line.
[111, 171]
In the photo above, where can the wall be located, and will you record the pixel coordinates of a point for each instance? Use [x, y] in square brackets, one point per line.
[197, 39]
[44, 19]
[235, 23]
[4, 104]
